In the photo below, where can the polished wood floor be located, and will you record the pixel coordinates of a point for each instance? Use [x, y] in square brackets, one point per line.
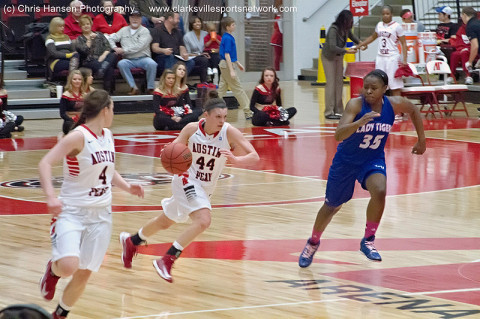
[245, 264]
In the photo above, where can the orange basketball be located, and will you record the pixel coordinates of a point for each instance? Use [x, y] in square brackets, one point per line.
[176, 158]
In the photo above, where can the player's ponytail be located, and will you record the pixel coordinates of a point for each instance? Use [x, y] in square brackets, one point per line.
[93, 103]
[213, 101]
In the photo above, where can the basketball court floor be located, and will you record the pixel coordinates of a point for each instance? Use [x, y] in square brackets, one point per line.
[245, 264]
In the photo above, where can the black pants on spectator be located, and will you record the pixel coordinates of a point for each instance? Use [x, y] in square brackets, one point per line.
[6, 131]
[214, 61]
[261, 118]
[200, 68]
[164, 122]
[67, 125]
[107, 66]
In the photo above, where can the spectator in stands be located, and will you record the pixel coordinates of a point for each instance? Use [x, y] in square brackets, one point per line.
[71, 102]
[151, 18]
[95, 53]
[266, 102]
[195, 45]
[87, 80]
[461, 54]
[61, 54]
[135, 40]
[407, 17]
[72, 25]
[446, 28]
[109, 21]
[469, 17]
[168, 43]
[332, 60]
[171, 113]
[212, 47]
[180, 71]
[9, 122]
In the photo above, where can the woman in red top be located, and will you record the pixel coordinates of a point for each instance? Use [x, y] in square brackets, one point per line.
[109, 21]
[266, 102]
[169, 104]
[71, 102]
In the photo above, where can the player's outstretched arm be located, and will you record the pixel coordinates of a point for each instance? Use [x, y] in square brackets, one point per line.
[347, 126]
[70, 145]
[120, 182]
[403, 105]
[240, 145]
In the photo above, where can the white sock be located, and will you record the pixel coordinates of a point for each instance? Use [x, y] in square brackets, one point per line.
[141, 235]
[177, 245]
[64, 306]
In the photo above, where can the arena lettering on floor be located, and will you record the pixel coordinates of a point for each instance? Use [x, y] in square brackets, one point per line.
[404, 302]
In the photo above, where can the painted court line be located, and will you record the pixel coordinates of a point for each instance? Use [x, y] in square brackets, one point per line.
[441, 292]
[167, 314]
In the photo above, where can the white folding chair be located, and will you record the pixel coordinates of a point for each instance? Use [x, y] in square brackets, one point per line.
[424, 93]
[455, 91]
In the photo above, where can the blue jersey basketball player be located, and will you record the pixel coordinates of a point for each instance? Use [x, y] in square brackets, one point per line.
[363, 130]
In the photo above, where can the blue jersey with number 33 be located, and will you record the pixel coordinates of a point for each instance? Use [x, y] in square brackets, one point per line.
[368, 142]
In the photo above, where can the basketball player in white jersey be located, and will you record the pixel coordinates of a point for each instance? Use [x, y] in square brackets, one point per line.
[212, 142]
[388, 58]
[82, 213]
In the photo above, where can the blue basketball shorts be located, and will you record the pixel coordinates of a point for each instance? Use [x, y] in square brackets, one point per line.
[342, 176]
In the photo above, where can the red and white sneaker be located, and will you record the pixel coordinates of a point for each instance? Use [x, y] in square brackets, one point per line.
[164, 265]
[48, 283]
[128, 249]
[55, 316]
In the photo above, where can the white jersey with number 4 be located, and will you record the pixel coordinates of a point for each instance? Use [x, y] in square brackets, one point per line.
[207, 162]
[388, 36]
[87, 177]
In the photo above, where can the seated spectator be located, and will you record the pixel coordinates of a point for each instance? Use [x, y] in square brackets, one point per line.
[71, 101]
[171, 112]
[151, 19]
[9, 122]
[266, 102]
[168, 42]
[212, 46]
[87, 80]
[469, 17]
[95, 53]
[195, 45]
[407, 17]
[135, 40]
[72, 25]
[446, 28]
[61, 54]
[180, 71]
[461, 54]
[109, 21]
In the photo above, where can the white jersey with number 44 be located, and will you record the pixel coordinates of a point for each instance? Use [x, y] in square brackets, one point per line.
[207, 162]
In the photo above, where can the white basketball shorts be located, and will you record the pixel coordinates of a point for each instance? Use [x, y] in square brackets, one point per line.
[389, 64]
[83, 232]
[185, 200]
